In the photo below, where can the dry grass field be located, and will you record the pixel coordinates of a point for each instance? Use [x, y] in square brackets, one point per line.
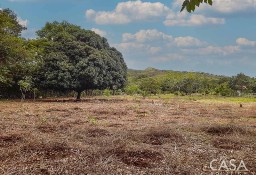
[124, 136]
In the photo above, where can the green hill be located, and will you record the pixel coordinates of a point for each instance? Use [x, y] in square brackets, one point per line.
[155, 81]
[137, 75]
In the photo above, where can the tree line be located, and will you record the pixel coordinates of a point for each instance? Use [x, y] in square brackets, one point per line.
[63, 58]
[153, 81]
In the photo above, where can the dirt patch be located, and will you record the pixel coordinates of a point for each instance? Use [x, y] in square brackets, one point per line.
[101, 112]
[159, 136]
[76, 109]
[97, 132]
[56, 100]
[89, 100]
[64, 126]
[109, 112]
[120, 112]
[56, 110]
[252, 117]
[225, 130]
[50, 150]
[56, 151]
[9, 139]
[47, 128]
[115, 125]
[224, 107]
[140, 158]
[44, 171]
[103, 100]
[225, 143]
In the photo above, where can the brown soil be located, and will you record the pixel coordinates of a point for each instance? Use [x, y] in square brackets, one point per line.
[159, 136]
[9, 139]
[141, 158]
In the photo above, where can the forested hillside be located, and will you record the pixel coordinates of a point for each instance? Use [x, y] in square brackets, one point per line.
[154, 81]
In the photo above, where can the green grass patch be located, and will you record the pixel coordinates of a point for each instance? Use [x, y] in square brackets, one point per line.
[206, 98]
[229, 99]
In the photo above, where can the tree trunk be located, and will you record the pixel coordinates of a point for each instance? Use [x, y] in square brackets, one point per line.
[34, 93]
[78, 97]
[22, 95]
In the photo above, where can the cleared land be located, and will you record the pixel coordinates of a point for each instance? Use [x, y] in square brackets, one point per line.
[125, 136]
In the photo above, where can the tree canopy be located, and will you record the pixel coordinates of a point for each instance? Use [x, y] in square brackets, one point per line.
[78, 59]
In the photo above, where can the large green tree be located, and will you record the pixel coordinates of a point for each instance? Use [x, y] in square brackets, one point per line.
[17, 60]
[78, 59]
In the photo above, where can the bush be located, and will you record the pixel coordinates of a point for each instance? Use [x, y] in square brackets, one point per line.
[224, 90]
[107, 92]
[132, 90]
[150, 86]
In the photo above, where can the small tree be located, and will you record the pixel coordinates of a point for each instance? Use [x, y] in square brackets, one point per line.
[224, 90]
[150, 86]
[188, 86]
[132, 89]
[240, 82]
[25, 86]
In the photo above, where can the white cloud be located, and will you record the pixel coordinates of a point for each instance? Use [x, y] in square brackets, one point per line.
[133, 47]
[142, 10]
[158, 39]
[232, 6]
[191, 20]
[188, 41]
[137, 48]
[245, 42]
[90, 13]
[130, 11]
[99, 32]
[147, 36]
[214, 50]
[22, 22]
[149, 42]
[107, 17]
[127, 37]
[154, 45]
[169, 57]
[126, 46]
[154, 50]
[153, 42]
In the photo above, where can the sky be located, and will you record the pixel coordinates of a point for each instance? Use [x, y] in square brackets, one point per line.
[218, 39]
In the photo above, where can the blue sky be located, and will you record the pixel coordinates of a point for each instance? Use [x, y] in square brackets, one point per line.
[220, 39]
